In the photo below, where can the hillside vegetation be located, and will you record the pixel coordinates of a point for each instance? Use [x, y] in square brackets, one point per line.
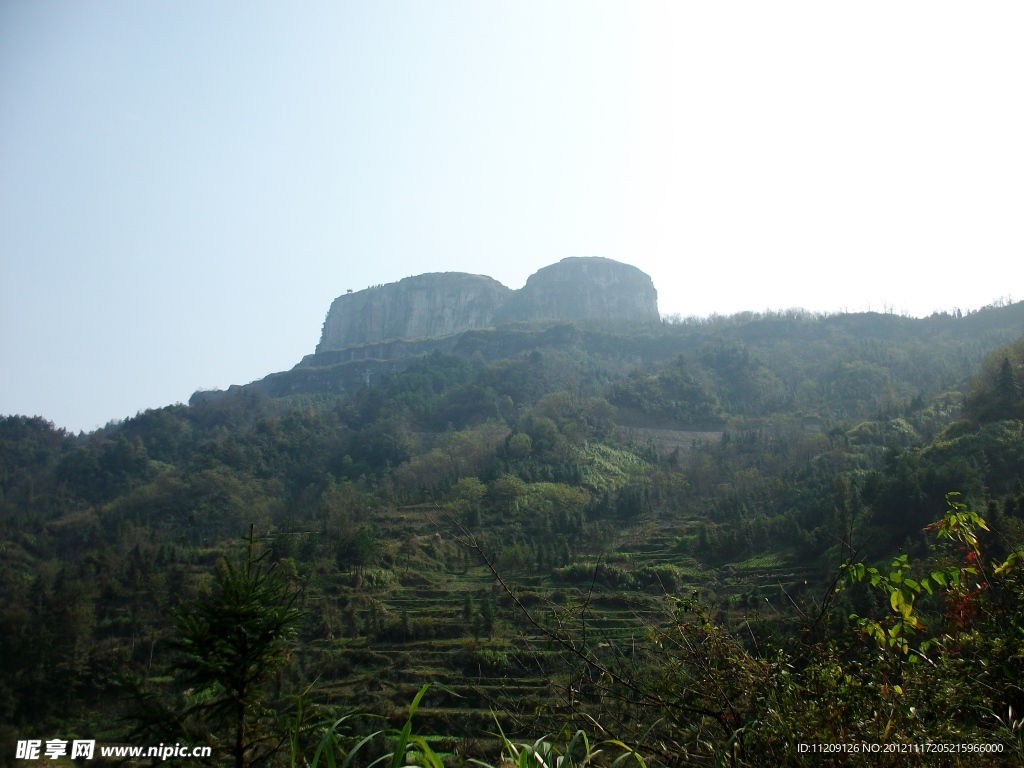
[711, 541]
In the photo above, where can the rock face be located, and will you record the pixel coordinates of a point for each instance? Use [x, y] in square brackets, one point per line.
[585, 288]
[434, 304]
[443, 303]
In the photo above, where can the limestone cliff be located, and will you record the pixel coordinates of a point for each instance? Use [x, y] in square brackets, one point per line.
[434, 304]
[585, 288]
[443, 303]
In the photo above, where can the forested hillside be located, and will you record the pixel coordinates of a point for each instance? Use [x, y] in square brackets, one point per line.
[662, 535]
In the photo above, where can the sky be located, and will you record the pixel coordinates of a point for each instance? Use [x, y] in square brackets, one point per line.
[186, 186]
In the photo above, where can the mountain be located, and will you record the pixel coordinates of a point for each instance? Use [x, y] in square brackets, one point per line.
[435, 304]
[443, 303]
[671, 502]
[799, 348]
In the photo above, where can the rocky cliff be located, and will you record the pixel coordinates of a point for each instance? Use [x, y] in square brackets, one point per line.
[444, 303]
[420, 307]
[584, 288]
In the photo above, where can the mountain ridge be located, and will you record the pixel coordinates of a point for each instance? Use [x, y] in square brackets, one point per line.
[348, 369]
[439, 304]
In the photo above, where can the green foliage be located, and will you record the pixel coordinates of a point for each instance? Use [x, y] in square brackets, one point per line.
[820, 436]
[230, 645]
[884, 433]
[998, 392]
[311, 724]
[506, 492]
[566, 749]
[901, 591]
[357, 549]
[678, 394]
[960, 524]
[708, 693]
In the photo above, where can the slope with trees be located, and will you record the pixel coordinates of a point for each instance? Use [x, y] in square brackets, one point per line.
[818, 441]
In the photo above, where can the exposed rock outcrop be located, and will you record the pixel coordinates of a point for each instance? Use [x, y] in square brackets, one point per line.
[443, 303]
[435, 304]
[585, 288]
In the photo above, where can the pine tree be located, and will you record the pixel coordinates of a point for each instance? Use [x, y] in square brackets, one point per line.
[1006, 385]
[232, 642]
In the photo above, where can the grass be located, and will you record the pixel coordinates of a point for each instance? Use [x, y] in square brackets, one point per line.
[767, 560]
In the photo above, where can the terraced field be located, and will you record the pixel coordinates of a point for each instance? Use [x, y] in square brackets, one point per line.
[423, 621]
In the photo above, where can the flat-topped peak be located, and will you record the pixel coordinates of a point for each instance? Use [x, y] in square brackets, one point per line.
[441, 303]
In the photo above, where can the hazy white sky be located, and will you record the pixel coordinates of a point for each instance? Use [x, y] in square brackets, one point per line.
[185, 186]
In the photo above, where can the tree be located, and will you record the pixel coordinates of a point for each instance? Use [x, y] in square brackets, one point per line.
[995, 393]
[357, 549]
[506, 492]
[1006, 385]
[232, 642]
